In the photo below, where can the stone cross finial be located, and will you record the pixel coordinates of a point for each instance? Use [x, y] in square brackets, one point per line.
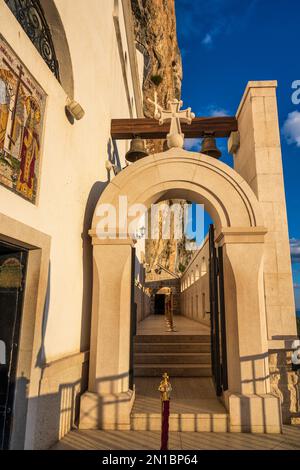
[174, 115]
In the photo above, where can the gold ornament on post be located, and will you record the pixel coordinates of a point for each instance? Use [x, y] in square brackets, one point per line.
[169, 311]
[165, 389]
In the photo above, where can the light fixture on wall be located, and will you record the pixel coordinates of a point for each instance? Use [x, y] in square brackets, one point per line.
[74, 110]
[209, 146]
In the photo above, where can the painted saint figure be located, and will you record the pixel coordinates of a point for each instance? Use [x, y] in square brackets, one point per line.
[30, 147]
[5, 77]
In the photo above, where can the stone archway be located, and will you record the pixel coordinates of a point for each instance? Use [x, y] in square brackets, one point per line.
[178, 174]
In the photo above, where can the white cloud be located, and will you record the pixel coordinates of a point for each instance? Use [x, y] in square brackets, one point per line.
[213, 111]
[207, 40]
[216, 112]
[291, 128]
[192, 144]
[295, 250]
[226, 16]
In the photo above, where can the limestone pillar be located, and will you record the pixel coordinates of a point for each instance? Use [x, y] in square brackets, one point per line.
[108, 402]
[251, 406]
[258, 159]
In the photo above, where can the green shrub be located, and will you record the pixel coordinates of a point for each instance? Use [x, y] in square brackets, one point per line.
[181, 268]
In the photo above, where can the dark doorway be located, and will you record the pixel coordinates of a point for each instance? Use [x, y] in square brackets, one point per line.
[12, 280]
[159, 304]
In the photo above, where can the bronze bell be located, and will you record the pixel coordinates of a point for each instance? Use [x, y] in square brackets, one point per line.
[209, 146]
[137, 150]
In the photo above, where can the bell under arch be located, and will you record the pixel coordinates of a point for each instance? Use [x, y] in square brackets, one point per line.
[237, 216]
[179, 174]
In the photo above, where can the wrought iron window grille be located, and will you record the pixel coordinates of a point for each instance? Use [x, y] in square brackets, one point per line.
[30, 15]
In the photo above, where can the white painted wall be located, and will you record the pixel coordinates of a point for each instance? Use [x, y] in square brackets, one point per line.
[195, 286]
[73, 157]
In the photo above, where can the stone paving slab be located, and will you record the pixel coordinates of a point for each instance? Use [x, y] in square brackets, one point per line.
[155, 325]
[147, 440]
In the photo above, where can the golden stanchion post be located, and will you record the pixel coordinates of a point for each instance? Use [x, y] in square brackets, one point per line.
[165, 389]
[169, 311]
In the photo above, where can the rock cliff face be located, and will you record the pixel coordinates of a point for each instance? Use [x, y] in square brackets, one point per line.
[155, 32]
[170, 253]
[156, 39]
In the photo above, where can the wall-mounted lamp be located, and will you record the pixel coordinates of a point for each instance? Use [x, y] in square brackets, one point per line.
[74, 109]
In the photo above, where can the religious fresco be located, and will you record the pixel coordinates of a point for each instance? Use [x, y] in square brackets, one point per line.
[22, 105]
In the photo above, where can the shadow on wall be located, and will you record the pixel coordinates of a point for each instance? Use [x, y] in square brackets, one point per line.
[87, 257]
[57, 413]
[285, 384]
[53, 414]
[87, 262]
[41, 355]
[103, 406]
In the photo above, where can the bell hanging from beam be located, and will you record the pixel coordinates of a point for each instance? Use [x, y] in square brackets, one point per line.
[209, 146]
[137, 150]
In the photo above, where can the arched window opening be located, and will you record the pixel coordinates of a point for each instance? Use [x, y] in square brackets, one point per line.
[203, 267]
[30, 15]
[203, 304]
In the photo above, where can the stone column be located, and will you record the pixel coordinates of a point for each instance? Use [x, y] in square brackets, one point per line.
[251, 406]
[108, 402]
[257, 158]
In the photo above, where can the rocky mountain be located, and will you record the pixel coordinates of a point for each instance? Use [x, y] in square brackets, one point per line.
[156, 39]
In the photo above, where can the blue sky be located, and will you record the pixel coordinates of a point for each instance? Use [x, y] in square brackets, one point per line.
[226, 43]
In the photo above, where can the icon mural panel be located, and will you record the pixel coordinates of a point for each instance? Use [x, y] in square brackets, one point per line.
[22, 105]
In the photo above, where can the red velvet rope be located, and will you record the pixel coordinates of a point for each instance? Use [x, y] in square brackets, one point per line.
[165, 425]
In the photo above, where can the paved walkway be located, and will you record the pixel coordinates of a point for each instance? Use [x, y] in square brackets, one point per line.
[194, 395]
[155, 325]
[147, 440]
[183, 397]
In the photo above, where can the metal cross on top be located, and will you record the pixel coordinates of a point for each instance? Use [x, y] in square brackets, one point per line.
[175, 138]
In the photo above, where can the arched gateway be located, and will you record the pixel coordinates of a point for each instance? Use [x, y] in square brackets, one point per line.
[240, 230]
